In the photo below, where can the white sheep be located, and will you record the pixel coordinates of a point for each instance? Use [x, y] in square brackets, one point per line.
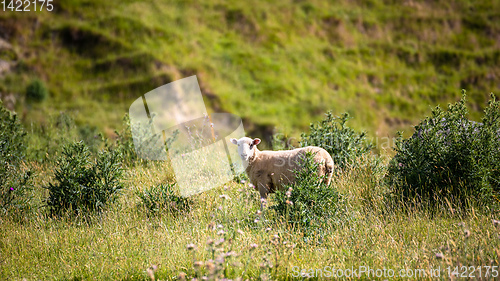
[268, 170]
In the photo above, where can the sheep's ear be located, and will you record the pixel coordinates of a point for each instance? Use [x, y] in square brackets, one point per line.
[235, 141]
[256, 141]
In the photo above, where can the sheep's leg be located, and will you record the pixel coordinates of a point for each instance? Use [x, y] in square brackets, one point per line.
[325, 171]
[329, 172]
[263, 190]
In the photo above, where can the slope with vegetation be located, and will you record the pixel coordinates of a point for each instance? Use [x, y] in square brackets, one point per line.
[280, 64]
[76, 203]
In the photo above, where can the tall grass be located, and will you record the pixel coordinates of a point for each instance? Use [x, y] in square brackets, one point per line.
[126, 242]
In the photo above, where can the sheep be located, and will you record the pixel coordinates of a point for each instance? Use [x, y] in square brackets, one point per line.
[269, 171]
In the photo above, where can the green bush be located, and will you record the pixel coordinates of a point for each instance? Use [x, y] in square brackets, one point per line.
[344, 144]
[36, 91]
[83, 184]
[125, 142]
[450, 157]
[307, 202]
[163, 197]
[14, 178]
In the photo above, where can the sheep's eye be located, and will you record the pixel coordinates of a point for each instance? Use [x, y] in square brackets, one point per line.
[251, 146]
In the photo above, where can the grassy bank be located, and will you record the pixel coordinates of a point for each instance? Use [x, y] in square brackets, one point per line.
[125, 241]
[275, 65]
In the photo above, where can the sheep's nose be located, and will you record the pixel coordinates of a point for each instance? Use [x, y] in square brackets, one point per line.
[244, 155]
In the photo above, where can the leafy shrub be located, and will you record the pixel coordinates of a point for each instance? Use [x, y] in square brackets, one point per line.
[36, 91]
[450, 157]
[125, 143]
[163, 197]
[14, 177]
[343, 143]
[307, 202]
[83, 184]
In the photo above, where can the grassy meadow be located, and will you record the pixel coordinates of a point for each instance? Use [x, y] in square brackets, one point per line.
[280, 66]
[123, 242]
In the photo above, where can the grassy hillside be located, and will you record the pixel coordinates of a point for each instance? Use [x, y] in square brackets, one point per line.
[280, 66]
[276, 65]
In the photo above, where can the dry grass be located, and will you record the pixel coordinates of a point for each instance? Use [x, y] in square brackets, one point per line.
[126, 243]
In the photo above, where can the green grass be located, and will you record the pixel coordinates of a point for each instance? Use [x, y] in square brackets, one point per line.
[276, 65]
[124, 241]
[279, 66]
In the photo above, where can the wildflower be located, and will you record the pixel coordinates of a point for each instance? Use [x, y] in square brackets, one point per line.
[198, 264]
[256, 220]
[462, 224]
[268, 229]
[240, 231]
[191, 246]
[251, 185]
[220, 258]
[288, 202]
[221, 232]
[253, 246]
[467, 233]
[220, 241]
[210, 242]
[220, 208]
[288, 194]
[439, 256]
[224, 196]
[231, 253]
[220, 226]
[182, 276]
[211, 226]
[275, 236]
[11, 189]
[258, 212]
[496, 223]
[243, 181]
[151, 271]
[210, 266]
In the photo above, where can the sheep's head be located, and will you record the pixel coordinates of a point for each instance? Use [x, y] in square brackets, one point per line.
[246, 147]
